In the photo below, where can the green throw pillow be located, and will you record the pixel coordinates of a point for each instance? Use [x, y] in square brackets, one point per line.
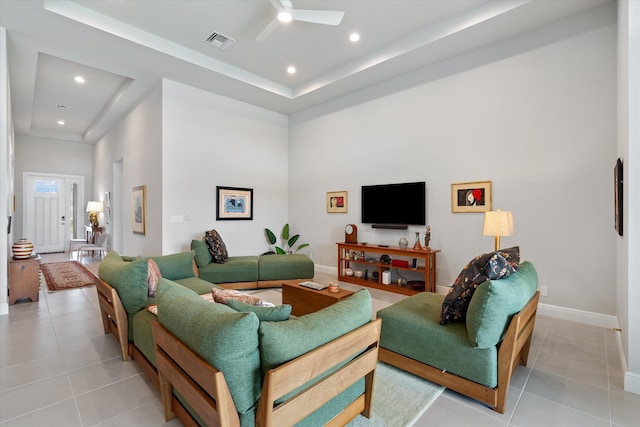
[281, 342]
[494, 303]
[129, 278]
[176, 266]
[203, 256]
[278, 313]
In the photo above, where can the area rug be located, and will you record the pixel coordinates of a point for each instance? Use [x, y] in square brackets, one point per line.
[399, 398]
[66, 275]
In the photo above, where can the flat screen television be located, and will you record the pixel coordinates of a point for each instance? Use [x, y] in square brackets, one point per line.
[394, 204]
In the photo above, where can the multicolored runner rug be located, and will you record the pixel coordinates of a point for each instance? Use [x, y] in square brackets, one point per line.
[66, 275]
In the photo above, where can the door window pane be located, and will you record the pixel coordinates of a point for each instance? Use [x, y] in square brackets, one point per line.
[44, 186]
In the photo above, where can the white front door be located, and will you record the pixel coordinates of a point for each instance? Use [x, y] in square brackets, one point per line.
[45, 212]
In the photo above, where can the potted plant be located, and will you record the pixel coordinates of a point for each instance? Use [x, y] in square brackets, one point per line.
[287, 241]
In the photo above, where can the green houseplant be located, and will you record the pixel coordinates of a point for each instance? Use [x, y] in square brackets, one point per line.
[288, 241]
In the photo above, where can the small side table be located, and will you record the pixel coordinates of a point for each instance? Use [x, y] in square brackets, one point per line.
[24, 278]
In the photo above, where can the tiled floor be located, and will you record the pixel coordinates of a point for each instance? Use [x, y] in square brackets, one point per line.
[57, 368]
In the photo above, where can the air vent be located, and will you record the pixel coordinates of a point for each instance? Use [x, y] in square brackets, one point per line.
[218, 40]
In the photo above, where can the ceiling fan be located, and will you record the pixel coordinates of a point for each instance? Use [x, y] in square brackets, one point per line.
[286, 13]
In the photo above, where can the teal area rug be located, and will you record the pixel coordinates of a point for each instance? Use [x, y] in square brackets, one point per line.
[399, 398]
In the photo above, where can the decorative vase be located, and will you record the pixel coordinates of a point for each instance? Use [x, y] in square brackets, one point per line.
[427, 237]
[403, 243]
[22, 249]
[417, 244]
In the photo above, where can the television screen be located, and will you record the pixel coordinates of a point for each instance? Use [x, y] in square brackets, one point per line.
[401, 204]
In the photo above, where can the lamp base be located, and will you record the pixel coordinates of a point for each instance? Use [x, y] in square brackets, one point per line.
[93, 219]
[497, 243]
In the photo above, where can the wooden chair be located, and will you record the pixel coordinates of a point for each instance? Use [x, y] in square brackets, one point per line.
[513, 351]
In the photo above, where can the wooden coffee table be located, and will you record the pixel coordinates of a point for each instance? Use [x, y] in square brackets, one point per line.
[306, 300]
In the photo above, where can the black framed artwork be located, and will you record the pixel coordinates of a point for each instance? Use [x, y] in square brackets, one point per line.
[234, 203]
[617, 191]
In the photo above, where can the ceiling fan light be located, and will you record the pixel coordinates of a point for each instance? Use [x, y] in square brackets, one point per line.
[285, 16]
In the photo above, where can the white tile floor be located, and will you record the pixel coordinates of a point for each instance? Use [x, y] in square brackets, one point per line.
[57, 368]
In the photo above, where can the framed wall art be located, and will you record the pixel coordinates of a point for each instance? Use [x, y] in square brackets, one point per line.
[337, 202]
[107, 207]
[471, 196]
[139, 209]
[617, 195]
[234, 203]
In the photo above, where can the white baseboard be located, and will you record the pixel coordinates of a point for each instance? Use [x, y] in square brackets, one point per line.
[632, 382]
[4, 308]
[581, 316]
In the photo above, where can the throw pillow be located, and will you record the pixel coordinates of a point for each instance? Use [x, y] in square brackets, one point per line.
[153, 309]
[203, 256]
[153, 276]
[476, 272]
[265, 314]
[503, 263]
[216, 246]
[224, 295]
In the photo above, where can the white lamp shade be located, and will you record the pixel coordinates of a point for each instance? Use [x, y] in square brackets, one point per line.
[498, 223]
[94, 207]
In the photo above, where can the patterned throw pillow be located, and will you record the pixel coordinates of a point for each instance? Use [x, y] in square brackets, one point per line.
[503, 263]
[154, 307]
[492, 265]
[216, 246]
[223, 295]
[153, 275]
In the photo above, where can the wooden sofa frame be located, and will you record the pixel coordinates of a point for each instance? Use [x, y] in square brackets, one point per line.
[114, 316]
[513, 351]
[206, 390]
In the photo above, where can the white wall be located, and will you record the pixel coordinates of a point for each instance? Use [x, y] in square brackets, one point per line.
[6, 170]
[628, 149]
[539, 121]
[137, 141]
[208, 141]
[35, 154]
[181, 143]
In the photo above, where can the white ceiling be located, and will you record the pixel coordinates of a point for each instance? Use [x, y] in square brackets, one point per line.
[124, 47]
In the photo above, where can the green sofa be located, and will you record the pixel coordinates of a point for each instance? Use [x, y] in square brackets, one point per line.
[236, 350]
[251, 272]
[476, 358]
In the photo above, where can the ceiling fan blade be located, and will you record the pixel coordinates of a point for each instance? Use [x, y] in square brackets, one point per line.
[268, 30]
[281, 5]
[326, 17]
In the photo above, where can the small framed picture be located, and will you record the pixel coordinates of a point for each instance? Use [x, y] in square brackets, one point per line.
[471, 196]
[337, 202]
[234, 203]
[139, 209]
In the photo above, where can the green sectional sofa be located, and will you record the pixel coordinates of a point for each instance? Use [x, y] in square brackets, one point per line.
[251, 272]
[218, 365]
[477, 357]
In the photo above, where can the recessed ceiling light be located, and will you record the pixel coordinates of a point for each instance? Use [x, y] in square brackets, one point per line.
[291, 70]
[354, 37]
[79, 79]
[61, 122]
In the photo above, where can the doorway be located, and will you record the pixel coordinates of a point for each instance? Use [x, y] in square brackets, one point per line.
[52, 210]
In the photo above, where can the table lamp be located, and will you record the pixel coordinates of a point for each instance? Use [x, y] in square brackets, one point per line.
[498, 223]
[93, 208]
